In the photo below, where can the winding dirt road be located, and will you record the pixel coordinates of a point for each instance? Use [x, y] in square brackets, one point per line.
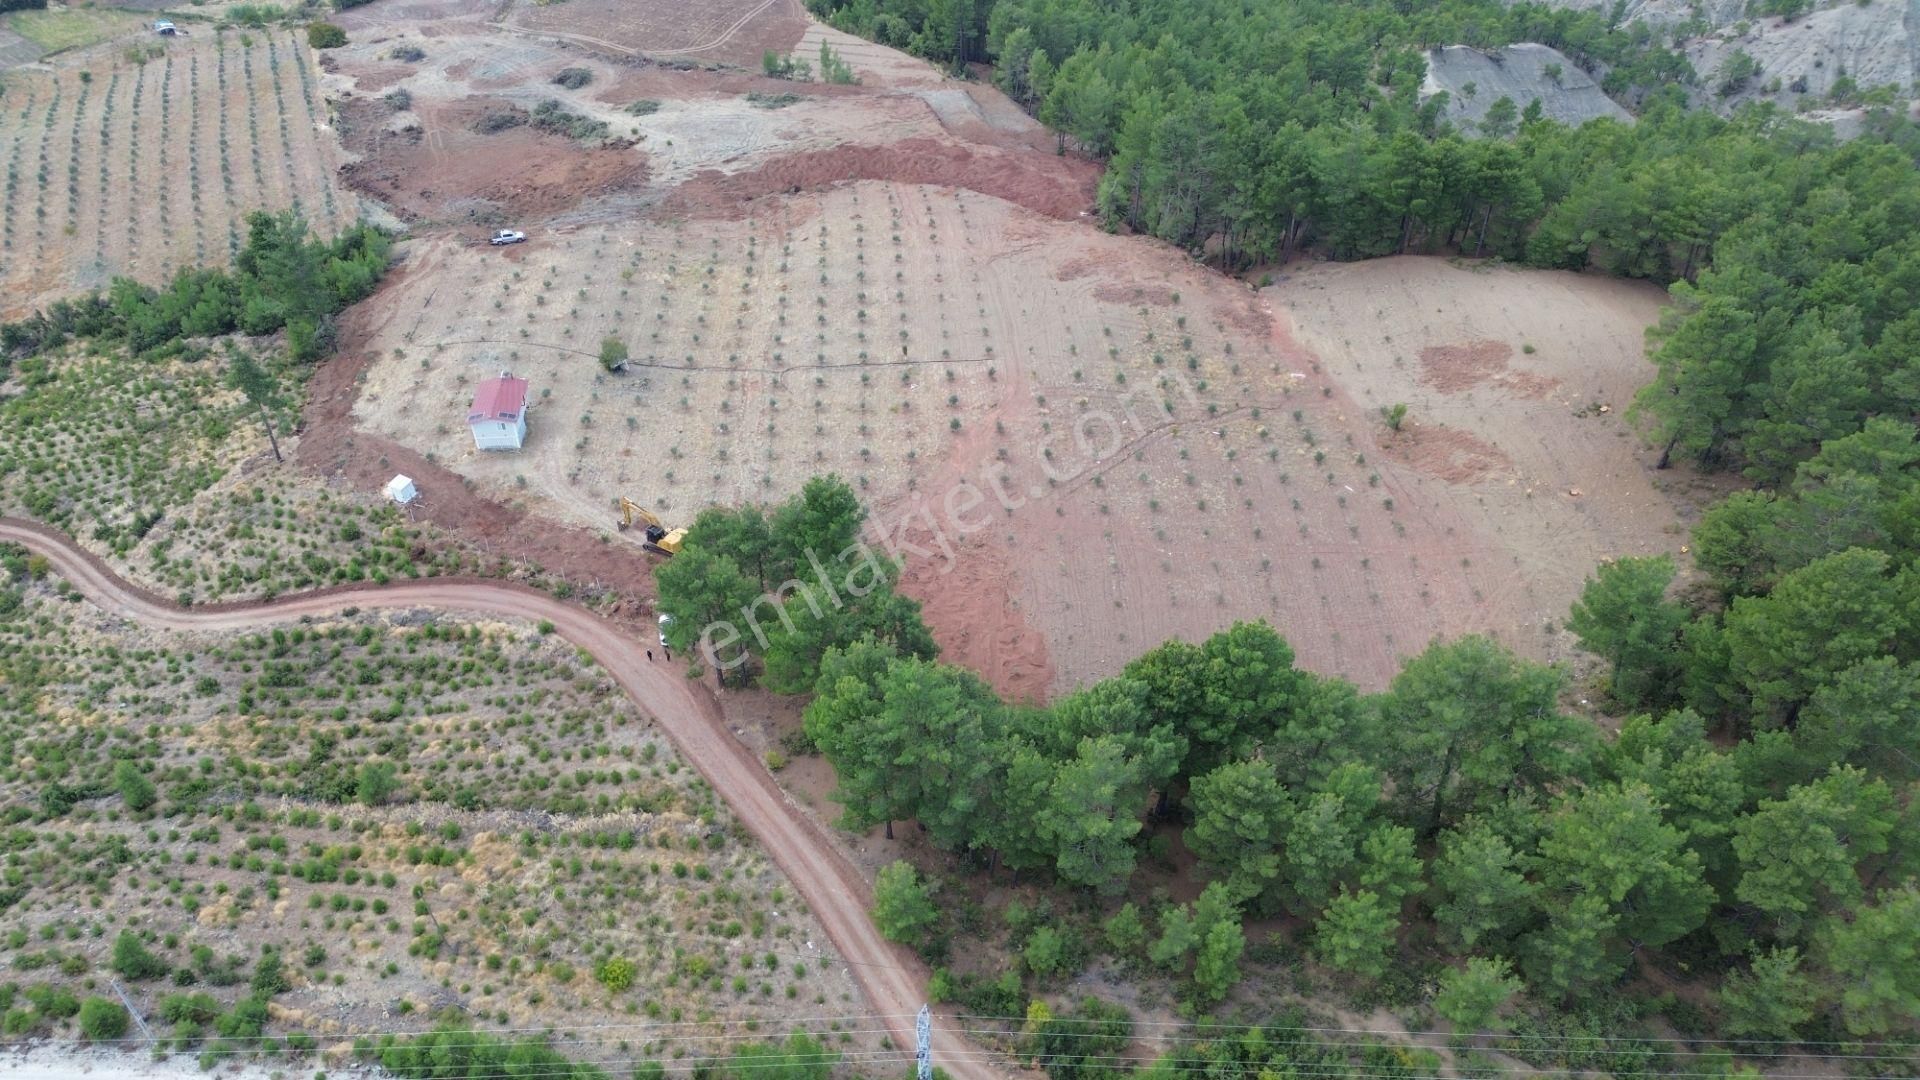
[892, 978]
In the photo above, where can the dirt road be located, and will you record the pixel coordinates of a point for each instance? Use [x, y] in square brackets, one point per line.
[892, 978]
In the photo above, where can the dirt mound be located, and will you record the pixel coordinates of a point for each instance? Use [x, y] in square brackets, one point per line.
[1059, 188]
[441, 170]
[1456, 368]
[1449, 454]
[370, 78]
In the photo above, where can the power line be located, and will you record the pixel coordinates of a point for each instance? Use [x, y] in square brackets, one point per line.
[633, 1026]
[1199, 1031]
[482, 1038]
[1317, 1070]
[1231, 1027]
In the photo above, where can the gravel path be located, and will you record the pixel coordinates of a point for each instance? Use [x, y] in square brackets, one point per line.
[891, 977]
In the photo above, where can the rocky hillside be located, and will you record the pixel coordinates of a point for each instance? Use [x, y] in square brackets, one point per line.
[1873, 44]
[1820, 61]
[1474, 80]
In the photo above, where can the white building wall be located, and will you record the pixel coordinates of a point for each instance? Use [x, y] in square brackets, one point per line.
[500, 434]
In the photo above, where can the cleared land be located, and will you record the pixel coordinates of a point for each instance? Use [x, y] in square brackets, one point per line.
[1517, 385]
[1175, 456]
[727, 31]
[116, 167]
[891, 282]
[891, 978]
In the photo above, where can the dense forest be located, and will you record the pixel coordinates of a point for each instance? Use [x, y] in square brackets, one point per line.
[1754, 821]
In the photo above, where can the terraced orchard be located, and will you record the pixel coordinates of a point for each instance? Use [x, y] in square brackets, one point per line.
[394, 816]
[138, 164]
[156, 466]
[102, 446]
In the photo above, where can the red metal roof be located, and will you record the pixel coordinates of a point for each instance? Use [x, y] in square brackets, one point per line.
[503, 398]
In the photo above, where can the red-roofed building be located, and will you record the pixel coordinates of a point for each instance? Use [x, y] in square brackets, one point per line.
[498, 418]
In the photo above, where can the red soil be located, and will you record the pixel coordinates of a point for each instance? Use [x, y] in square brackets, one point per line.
[1444, 453]
[1058, 187]
[444, 171]
[1454, 368]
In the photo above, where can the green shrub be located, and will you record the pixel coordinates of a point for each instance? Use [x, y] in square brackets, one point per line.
[101, 1019]
[615, 974]
[132, 959]
[457, 1054]
[191, 1008]
[375, 782]
[613, 354]
[901, 907]
[495, 122]
[573, 78]
[323, 35]
[246, 1021]
[134, 787]
[256, 16]
[268, 978]
[549, 116]
[52, 1001]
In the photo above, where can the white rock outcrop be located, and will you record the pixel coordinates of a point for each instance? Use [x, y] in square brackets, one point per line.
[1875, 44]
[1474, 79]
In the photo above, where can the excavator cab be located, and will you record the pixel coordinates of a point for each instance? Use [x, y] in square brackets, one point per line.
[659, 539]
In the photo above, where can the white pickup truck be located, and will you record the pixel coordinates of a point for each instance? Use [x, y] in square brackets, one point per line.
[507, 236]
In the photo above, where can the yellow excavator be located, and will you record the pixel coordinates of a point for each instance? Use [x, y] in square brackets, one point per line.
[659, 538]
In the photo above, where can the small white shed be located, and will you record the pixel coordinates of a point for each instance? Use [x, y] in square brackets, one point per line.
[401, 490]
[498, 417]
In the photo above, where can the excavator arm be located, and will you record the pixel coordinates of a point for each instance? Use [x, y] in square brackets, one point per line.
[658, 539]
[631, 512]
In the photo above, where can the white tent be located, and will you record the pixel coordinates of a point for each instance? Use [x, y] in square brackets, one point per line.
[401, 490]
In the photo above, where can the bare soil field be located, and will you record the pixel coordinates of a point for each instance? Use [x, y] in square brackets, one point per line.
[910, 338]
[895, 282]
[734, 32]
[1517, 385]
[116, 167]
